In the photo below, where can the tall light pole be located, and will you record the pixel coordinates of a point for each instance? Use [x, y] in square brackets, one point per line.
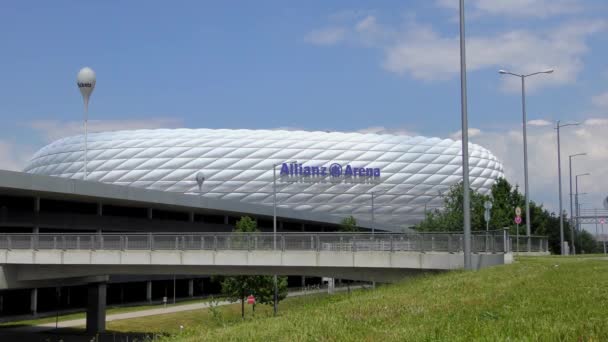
[466, 205]
[578, 224]
[373, 217]
[571, 202]
[559, 176]
[86, 80]
[525, 134]
[274, 232]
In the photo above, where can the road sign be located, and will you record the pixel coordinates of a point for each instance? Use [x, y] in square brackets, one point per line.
[518, 211]
[486, 216]
[518, 219]
[487, 205]
[250, 299]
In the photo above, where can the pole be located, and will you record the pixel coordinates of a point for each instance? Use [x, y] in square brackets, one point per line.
[373, 221]
[517, 238]
[274, 233]
[86, 119]
[559, 177]
[576, 221]
[578, 224]
[597, 233]
[571, 209]
[465, 143]
[603, 237]
[174, 283]
[527, 188]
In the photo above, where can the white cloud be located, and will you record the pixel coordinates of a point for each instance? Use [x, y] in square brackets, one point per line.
[600, 100]
[326, 36]
[542, 158]
[539, 123]
[516, 8]
[12, 156]
[473, 132]
[386, 130]
[425, 54]
[53, 129]
[596, 122]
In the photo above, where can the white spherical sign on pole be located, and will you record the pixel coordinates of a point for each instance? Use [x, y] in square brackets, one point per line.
[86, 83]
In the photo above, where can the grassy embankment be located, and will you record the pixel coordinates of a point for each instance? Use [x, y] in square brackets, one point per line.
[534, 299]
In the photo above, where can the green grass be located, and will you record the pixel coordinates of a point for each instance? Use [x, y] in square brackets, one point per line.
[534, 299]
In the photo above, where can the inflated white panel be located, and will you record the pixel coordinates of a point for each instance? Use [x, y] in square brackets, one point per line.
[238, 165]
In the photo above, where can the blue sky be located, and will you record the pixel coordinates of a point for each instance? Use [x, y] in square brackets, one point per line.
[375, 66]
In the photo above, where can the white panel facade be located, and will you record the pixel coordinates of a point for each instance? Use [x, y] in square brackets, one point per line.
[238, 165]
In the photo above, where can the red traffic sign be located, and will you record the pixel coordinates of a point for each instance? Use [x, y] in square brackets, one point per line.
[250, 299]
[518, 219]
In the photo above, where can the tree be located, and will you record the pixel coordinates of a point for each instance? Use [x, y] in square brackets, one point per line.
[349, 224]
[237, 288]
[505, 198]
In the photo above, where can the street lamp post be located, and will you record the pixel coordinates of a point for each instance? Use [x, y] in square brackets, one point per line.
[525, 135]
[466, 205]
[571, 202]
[86, 80]
[559, 176]
[374, 193]
[578, 223]
[274, 232]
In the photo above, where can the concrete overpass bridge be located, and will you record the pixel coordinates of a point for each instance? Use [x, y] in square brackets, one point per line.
[31, 260]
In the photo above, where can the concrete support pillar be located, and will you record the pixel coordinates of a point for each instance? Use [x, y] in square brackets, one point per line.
[99, 213]
[202, 285]
[191, 216]
[303, 281]
[149, 213]
[303, 227]
[330, 285]
[36, 215]
[191, 287]
[149, 291]
[34, 301]
[96, 308]
[226, 219]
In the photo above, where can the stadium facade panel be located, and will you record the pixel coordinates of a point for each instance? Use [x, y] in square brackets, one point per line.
[325, 172]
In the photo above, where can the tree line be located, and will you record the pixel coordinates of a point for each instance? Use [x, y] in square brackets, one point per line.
[505, 198]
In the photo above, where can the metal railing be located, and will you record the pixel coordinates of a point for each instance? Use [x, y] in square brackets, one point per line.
[492, 242]
[529, 244]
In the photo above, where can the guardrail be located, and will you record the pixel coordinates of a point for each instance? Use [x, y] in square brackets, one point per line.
[491, 242]
[531, 243]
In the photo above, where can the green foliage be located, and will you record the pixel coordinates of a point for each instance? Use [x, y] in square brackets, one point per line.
[237, 288]
[504, 199]
[533, 299]
[246, 225]
[349, 224]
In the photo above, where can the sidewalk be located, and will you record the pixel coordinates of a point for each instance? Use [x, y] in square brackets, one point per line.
[151, 312]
